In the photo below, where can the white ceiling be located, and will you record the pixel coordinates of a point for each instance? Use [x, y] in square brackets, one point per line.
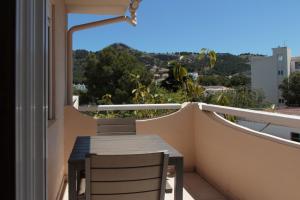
[101, 7]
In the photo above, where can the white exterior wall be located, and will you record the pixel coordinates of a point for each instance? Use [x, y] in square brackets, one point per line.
[265, 73]
[55, 131]
[264, 77]
[293, 64]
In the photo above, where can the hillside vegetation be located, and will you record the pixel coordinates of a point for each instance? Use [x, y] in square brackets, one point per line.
[119, 74]
[226, 65]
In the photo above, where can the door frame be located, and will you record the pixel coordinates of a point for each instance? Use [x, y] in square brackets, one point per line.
[31, 100]
[7, 97]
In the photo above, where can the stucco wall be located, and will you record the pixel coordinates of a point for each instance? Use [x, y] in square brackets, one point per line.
[244, 164]
[76, 124]
[241, 163]
[264, 73]
[176, 129]
[55, 135]
[260, 69]
[179, 134]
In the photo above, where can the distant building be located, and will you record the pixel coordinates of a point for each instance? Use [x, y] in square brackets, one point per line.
[216, 89]
[80, 87]
[154, 69]
[159, 73]
[194, 75]
[267, 73]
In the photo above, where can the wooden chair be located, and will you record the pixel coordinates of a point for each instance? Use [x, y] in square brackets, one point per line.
[126, 177]
[124, 126]
[120, 126]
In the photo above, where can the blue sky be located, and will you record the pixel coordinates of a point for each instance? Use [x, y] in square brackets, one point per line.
[228, 26]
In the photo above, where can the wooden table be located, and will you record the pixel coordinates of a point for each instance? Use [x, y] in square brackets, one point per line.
[129, 144]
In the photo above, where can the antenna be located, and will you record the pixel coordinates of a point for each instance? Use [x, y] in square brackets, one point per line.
[284, 43]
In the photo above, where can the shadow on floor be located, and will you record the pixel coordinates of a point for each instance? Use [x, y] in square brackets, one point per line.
[195, 188]
[199, 189]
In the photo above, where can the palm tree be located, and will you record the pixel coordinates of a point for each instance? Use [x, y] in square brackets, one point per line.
[210, 55]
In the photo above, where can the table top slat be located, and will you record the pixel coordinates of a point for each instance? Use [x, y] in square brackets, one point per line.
[114, 145]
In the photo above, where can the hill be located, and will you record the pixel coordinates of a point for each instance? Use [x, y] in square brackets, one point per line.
[227, 64]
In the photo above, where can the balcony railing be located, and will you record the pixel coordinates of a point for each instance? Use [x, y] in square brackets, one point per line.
[253, 115]
[213, 148]
[170, 106]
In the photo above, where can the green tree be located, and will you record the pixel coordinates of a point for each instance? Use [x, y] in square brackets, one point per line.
[239, 80]
[212, 80]
[106, 99]
[290, 88]
[172, 83]
[192, 90]
[179, 72]
[179, 77]
[108, 72]
[79, 57]
[210, 55]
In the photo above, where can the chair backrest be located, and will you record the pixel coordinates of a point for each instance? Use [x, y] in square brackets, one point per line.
[120, 126]
[126, 177]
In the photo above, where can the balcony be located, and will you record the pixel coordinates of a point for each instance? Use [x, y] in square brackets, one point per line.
[222, 160]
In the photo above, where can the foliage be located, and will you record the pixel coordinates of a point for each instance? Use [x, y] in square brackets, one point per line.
[106, 100]
[108, 72]
[239, 80]
[213, 80]
[241, 97]
[290, 88]
[228, 81]
[80, 63]
[226, 64]
[179, 76]
[149, 95]
[118, 75]
[209, 55]
[194, 91]
[171, 83]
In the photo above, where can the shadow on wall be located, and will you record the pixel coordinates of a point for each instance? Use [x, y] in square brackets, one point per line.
[177, 129]
[76, 124]
[242, 163]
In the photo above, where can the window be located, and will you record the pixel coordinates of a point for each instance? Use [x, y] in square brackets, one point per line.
[297, 65]
[51, 63]
[280, 58]
[280, 72]
[280, 101]
[295, 137]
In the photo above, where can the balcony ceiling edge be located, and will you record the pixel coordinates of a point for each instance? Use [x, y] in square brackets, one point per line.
[100, 7]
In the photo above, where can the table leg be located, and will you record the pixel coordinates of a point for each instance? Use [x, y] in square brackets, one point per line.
[72, 181]
[178, 192]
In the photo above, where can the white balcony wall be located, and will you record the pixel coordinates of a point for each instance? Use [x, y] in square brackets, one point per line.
[55, 135]
[239, 162]
[245, 164]
[177, 129]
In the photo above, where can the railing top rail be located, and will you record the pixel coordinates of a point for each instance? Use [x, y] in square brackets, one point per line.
[253, 115]
[168, 106]
[257, 116]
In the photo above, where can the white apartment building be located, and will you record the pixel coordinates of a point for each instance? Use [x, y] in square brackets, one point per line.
[267, 73]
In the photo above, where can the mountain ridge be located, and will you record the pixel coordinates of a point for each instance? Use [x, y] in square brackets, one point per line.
[227, 64]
